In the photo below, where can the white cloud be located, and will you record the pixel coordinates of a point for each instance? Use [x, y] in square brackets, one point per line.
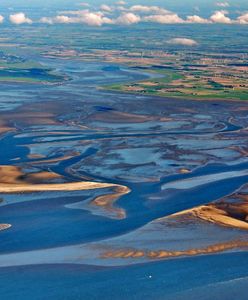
[164, 19]
[85, 4]
[222, 4]
[148, 9]
[19, 18]
[243, 19]
[183, 42]
[1, 19]
[74, 12]
[63, 19]
[58, 19]
[120, 3]
[82, 16]
[95, 19]
[197, 19]
[106, 8]
[128, 19]
[220, 17]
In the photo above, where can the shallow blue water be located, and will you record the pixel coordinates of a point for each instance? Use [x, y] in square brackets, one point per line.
[160, 280]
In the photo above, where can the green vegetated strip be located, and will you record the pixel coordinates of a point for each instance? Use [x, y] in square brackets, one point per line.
[168, 77]
[227, 96]
[26, 71]
[217, 91]
[29, 75]
[21, 65]
[19, 79]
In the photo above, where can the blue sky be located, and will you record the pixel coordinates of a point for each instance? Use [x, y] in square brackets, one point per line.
[176, 4]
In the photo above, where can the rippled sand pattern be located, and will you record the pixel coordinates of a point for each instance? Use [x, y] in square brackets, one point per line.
[162, 254]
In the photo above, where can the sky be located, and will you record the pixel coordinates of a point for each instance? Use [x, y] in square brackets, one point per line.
[119, 12]
[179, 4]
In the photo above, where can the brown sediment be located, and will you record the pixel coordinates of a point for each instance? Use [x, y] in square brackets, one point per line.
[32, 118]
[4, 226]
[10, 175]
[106, 201]
[242, 150]
[41, 176]
[53, 160]
[4, 127]
[163, 254]
[29, 115]
[241, 108]
[42, 113]
[123, 117]
[35, 156]
[225, 213]
[72, 186]
[58, 133]
[119, 117]
[184, 171]
[149, 83]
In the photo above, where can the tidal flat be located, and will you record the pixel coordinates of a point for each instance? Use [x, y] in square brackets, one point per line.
[120, 194]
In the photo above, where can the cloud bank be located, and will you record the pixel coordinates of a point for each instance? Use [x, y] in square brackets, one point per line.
[121, 14]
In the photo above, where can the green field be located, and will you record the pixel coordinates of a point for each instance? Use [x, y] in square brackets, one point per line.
[198, 91]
